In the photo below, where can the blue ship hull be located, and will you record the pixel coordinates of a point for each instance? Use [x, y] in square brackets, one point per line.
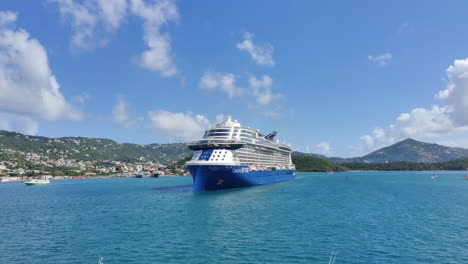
[216, 177]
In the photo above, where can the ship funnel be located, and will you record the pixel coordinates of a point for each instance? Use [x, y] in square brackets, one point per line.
[271, 136]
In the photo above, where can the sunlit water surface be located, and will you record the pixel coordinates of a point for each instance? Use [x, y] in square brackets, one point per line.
[369, 217]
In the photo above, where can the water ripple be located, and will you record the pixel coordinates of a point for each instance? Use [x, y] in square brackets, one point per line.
[390, 217]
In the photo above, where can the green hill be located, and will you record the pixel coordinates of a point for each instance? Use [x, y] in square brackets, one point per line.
[409, 150]
[87, 149]
[415, 151]
[311, 163]
[459, 164]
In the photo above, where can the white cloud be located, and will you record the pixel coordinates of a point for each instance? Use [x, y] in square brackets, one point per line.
[181, 126]
[323, 148]
[19, 123]
[262, 55]
[272, 113]
[113, 12]
[158, 55]
[220, 118]
[83, 22]
[225, 82]
[456, 93]
[28, 88]
[265, 98]
[381, 59]
[7, 17]
[438, 122]
[420, 123]
[91, 18]
[81, 99]
[261, 89]
[121, 113]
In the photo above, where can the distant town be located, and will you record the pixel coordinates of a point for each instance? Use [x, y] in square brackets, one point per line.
[18, 165]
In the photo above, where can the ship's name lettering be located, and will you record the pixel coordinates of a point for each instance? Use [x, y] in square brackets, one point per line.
[241, 170]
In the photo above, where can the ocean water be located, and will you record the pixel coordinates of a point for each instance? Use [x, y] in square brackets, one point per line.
[368, 217]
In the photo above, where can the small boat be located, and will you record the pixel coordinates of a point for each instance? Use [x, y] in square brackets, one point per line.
[434, 176]
[465, 177]
[155, 175]
[37, 181]
[139, 175]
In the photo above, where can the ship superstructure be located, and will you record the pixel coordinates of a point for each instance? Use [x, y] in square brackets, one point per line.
[230, 156]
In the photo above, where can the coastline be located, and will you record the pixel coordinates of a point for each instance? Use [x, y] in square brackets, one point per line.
[25, 178]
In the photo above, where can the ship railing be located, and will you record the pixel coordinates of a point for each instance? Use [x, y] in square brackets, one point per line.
[208, 143]
[204, 144]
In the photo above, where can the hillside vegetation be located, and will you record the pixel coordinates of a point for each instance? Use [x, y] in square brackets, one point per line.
[310, 163]
[459, 164]
[87, 149]
[414, 151]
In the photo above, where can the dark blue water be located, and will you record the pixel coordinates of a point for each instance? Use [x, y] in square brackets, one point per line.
[373, 217]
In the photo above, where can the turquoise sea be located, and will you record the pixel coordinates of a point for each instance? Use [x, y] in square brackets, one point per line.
[368, 217]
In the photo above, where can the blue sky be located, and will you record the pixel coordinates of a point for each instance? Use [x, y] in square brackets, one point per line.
[340, 78]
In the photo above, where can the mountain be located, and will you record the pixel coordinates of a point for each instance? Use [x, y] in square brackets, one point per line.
[415, 151]
[407, 150]
[87, 149]
[298, 153]
[310, 163]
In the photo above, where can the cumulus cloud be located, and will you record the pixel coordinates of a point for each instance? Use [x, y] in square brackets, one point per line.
[220, 118]
[93, 20]
[90, 17]
[121, 113]
[438, 122]
[225, 82]
[19, 123]
[28, 87]
[83, 20]
[261, 54]
[261, 89]
[181, 126]
[456, 93]
[158, 55]
[266, 101]
[323, 148]
[381, 59]
[7, 17]
[420, 123]
[112, 13]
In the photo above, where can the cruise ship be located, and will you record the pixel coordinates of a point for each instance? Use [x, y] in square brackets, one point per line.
[232, 156]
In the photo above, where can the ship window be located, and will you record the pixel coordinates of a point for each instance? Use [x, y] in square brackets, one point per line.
[217, 134]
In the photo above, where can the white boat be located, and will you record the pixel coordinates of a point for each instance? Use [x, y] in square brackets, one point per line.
[37, 181]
